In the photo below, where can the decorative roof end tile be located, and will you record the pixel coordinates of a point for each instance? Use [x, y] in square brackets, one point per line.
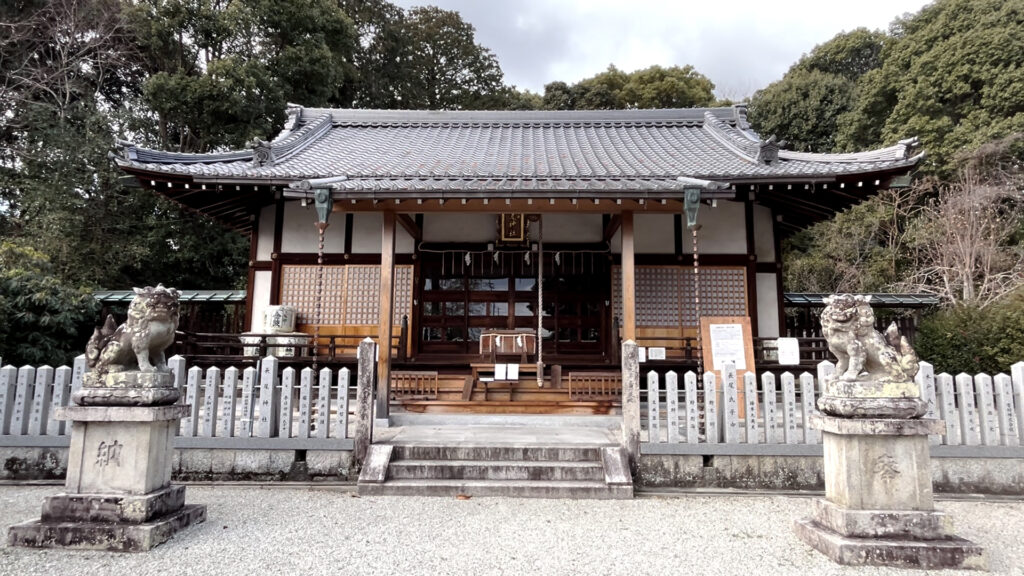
[262, 153]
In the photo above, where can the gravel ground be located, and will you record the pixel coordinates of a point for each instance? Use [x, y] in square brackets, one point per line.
[277, 530]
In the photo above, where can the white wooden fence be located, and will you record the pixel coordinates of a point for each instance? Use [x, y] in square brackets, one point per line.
[979, 410]
[294, 408]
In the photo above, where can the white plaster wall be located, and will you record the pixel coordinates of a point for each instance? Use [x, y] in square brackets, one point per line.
[571, 228]
[260, 298]
[265, 241]
[764, 234]
[723, 230]
[460, 227]
[654, 234]
[298, 233]
[767, 306]
[366, 234]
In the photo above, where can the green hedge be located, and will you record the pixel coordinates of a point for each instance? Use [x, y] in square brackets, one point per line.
[970, 339]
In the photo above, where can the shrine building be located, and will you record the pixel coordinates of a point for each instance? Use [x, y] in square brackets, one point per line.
[462, 236]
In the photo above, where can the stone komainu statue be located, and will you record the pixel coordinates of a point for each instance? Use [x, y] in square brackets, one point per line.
[139, 343]
[848, 324]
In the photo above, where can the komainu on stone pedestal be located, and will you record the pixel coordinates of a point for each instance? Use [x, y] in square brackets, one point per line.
[874, 373]
[118, 493]
[878, 507]
[127, 365]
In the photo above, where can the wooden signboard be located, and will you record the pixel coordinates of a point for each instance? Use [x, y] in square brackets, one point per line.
[728, 338]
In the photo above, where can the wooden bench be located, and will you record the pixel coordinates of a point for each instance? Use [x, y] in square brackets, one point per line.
[413, 385]
[589, 386]
[479, 368]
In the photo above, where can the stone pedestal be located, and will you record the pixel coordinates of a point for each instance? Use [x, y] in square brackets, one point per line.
[878, 508]
[118, 494]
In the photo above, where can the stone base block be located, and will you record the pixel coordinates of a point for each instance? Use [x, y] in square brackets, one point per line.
[950, 552]
[113, 507]
[920, 525]
[109, 536]
[129, 388]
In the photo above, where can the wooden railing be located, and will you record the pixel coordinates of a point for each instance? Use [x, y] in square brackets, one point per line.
[683, 351]
[208, 348]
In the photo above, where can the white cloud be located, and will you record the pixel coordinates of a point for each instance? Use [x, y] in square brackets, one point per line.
[741, 45]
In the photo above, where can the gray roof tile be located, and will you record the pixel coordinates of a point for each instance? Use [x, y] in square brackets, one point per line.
[476, 151]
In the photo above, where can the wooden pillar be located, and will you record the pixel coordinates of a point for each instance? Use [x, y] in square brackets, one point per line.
[385, 318]
[628, 279]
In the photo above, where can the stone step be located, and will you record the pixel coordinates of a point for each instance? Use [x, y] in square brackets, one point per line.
[505, 488]
[495, 470]
[559, 453]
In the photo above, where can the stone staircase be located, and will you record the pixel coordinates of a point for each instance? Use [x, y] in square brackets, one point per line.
[480, 468]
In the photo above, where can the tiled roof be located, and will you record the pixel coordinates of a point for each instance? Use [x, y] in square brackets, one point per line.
[125, 296]
[509, 151]
[813, 299]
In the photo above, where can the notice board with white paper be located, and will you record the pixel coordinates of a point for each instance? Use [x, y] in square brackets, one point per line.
[728, 339]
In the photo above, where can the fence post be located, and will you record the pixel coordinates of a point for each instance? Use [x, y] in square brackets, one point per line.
[8, 387]
[986, 410]
[750, 399]
[807, 408]
[211, 394]
[1008, 434]
[631, 401]
[190, 423]
[692, 414]
[947, 409]
[653, 408]
[306, 403]
[672, 406]
[969, 426]
[266, 426]
[364, 401]
[79, 369]
[176, 364]
[825, 369]
[61, 396]
[41, 401]
[323, 402]
[344, 385]
[711, 433]
[23, 400]
[1017, 377]
[248, 403]
[731, 409]
[925, 379]
[789, 435]
[768, 390]
[284, 422]
[227, 410]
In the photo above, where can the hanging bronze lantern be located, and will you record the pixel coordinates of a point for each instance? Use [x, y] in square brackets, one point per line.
[691, 203]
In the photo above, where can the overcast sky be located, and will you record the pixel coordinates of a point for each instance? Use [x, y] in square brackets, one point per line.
[741, 45]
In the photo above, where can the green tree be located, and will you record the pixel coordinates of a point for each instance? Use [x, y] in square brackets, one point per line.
[805, 106]
[673, 87]
[219, 72]
[379, 64]
[445, 67]
[953, 75]
[46, 321]
[613, 89]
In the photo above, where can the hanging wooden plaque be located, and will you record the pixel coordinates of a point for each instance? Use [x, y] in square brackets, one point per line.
[511, 229]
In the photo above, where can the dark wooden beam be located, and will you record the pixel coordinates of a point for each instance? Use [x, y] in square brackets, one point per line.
[410, 226]
[612, 227]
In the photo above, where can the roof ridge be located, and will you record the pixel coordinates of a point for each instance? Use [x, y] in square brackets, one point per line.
[487, 117]
[721, 131]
